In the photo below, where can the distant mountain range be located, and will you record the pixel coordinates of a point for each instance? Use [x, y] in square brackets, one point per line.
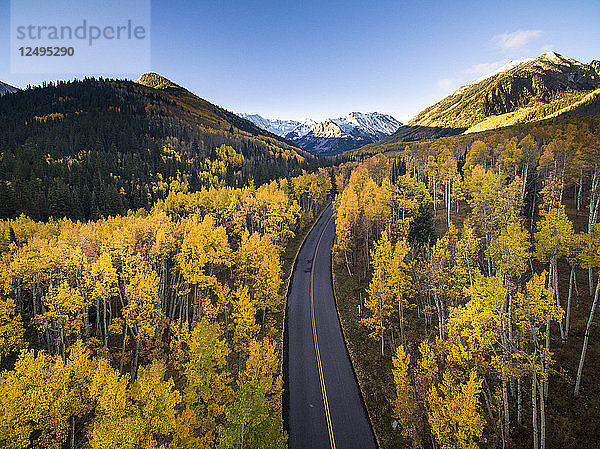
[6, 88]
[282, 128]
[550, 86]
[331, 136]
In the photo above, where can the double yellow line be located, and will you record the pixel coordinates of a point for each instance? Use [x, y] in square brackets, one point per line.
[316, 341]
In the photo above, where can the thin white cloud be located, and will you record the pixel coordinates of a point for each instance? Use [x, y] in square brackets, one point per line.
[485, 67]
[547, 48]
[445, 84]
[516, 40]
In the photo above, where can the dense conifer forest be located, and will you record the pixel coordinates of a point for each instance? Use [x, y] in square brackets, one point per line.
[92, 148]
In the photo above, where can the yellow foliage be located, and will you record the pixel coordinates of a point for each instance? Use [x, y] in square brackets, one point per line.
[454, 412]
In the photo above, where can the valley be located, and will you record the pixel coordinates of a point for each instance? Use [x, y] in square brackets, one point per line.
[176, 275]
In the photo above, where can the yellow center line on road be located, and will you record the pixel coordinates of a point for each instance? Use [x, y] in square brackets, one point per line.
[316, 341]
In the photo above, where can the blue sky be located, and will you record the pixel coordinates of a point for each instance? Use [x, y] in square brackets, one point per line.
[319, 59]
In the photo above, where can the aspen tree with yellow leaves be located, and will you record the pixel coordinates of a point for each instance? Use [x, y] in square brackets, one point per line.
[535, 310]
[493, 284]
[553, 238]
[384, 289]
[592, 259]
[11, 329]
[406, 405]
[145, 325]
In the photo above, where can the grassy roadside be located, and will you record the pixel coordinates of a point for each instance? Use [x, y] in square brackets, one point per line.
[373, 371]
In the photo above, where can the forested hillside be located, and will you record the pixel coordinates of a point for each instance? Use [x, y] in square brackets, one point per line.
[160, 328]
[548, 88]
[92, 148]
[499, 139]
[539, 86]
[474, 260]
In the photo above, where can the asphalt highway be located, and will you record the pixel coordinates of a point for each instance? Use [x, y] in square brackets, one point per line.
[323, 407]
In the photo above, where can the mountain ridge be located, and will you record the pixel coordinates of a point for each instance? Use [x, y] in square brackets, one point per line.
[7, 89]
[89, 147]
[213, 114]
[332, 135]
[532, 82]
[548, 87]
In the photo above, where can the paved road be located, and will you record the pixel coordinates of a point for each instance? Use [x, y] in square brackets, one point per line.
[323, 407]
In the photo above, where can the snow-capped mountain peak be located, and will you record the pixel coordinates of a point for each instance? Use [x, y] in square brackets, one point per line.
[329, 129]
[301, 129]
[278, 127]
[373, 122]
[333, 134]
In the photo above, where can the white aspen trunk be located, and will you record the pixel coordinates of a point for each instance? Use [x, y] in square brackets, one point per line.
[524, 181]
[546, 367]
[401, 317]
[381, 322]
[591, 281]
[506, 409]
[556, 292]
[242, 437]
[562, 185]
[434, 196]
[542, 420]
[593, 194]
[519, 403]
[438, 306]
[63, 349]
[534, 424]
[591, 222]
[533, 203]
[510, 339]
[469, 270]
[449, 201]
[134, 368]
[595, 214]
[445, 193]
[123, 349]
[98, 328]
[568, 314]
[585, 341]
[105, 325]
[347, 264]
[72, 443]
[403, 204]
[579, 191]
[487, 396]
